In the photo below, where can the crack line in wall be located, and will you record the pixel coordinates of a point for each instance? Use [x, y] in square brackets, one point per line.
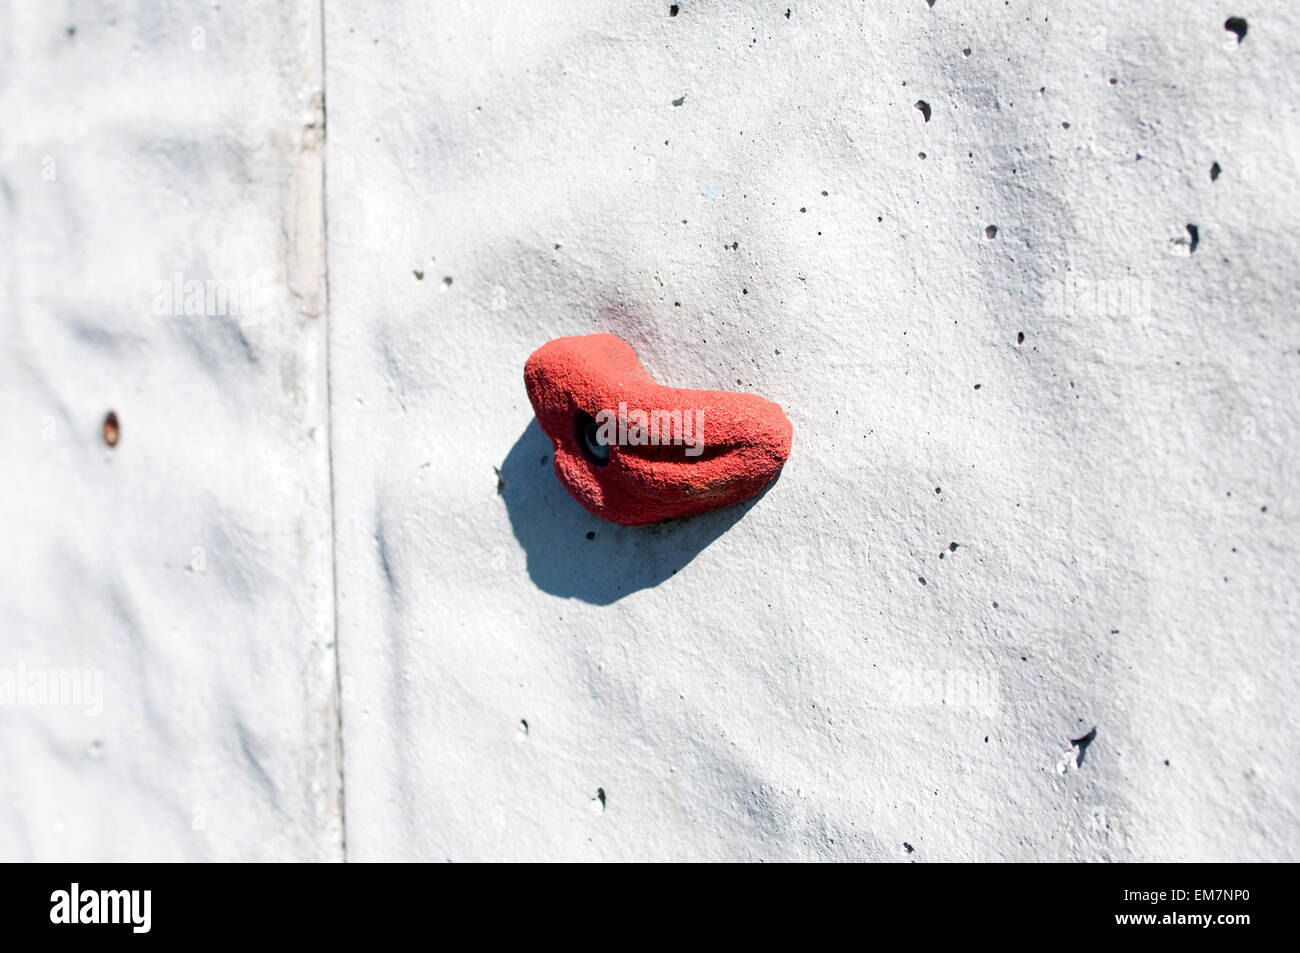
[329, 438]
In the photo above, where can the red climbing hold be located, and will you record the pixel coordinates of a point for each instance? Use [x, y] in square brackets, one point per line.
[633, 451]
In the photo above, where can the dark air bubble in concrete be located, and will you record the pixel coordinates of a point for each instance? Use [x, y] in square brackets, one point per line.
[112, 430]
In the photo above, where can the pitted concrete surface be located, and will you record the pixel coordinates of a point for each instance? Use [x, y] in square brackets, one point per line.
[1022, 276]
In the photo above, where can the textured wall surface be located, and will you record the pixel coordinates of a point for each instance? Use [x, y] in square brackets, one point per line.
[1022, 275]
[188, 569]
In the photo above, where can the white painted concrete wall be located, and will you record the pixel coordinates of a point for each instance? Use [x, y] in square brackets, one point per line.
[773, 681]
[189, 568]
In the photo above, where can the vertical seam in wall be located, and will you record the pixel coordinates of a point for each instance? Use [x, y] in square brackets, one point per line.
[329, 442]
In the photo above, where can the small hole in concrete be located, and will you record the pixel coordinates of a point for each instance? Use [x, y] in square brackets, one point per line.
[112, 430]
[1082, 745]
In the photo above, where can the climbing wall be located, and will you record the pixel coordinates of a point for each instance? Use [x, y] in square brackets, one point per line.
[1021, 276]
[167, 661]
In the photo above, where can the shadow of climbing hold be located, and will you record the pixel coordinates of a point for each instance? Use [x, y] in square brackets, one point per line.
[572, 554]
